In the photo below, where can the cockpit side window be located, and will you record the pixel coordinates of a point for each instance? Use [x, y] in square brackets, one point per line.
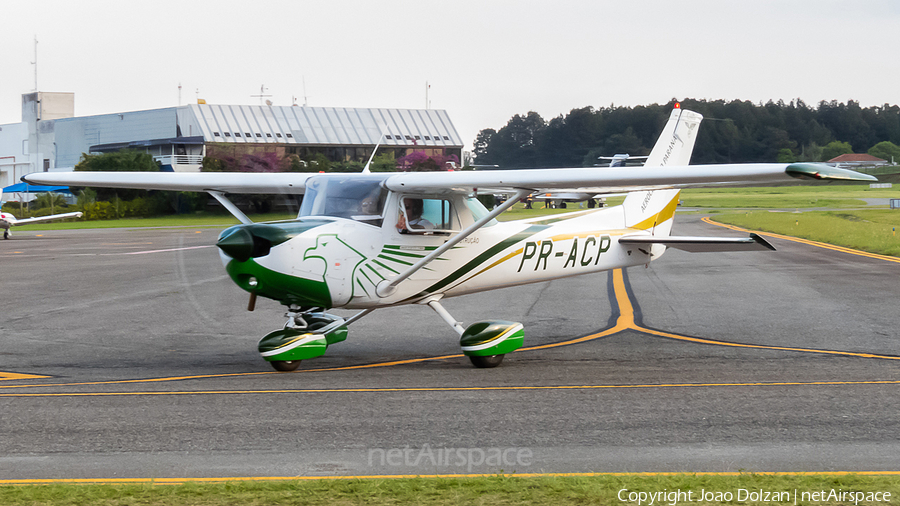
[426, 216]
[357, 198]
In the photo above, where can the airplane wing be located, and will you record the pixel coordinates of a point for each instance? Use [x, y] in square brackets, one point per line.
[224, 182]
[28, 221]
[619, 178]
[613, 179]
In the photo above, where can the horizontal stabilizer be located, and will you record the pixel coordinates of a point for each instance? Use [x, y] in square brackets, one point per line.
[702, 244]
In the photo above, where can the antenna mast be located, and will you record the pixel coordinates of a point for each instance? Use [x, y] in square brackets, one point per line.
[262, 91]
[305, 103]
[35, 64]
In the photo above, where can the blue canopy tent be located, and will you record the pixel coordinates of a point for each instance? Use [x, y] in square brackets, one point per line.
[30, 188]
[23, 188]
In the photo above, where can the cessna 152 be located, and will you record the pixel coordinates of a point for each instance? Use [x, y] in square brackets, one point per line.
[7, 220]
[374, 240]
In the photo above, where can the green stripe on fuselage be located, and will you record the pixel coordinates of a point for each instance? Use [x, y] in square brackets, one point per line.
[473, 264]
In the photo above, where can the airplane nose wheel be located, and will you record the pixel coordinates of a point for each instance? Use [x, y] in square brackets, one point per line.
[486, 362]
[307, 334]
[285, 365]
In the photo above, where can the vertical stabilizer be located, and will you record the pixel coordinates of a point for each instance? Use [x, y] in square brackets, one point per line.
[654, 210]
[676, 142]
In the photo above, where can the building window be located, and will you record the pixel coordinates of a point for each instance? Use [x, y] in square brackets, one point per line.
[247, 134]
[216, 134]
[227, 134]
[259, 135]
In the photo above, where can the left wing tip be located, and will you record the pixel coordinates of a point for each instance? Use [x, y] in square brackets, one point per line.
[820, 171]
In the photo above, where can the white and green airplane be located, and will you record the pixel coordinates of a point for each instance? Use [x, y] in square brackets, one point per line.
[374, 240]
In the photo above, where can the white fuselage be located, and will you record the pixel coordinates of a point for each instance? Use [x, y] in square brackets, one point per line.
[353, 257]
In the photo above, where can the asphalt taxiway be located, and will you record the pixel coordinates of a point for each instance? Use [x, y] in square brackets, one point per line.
[128, 353]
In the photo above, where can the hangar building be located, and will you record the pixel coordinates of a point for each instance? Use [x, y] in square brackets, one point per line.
[51, 138]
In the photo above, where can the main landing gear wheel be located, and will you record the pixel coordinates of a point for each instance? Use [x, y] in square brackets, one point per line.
[486, 362]
[286, 365]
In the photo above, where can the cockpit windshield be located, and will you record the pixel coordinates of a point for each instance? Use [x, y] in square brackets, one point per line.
[357, 197]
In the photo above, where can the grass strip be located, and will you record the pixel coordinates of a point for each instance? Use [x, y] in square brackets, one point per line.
[666, 489]
[832, 196]
[872, 230]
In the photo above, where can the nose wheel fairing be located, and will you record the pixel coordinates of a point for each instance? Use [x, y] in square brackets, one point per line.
[300, 343]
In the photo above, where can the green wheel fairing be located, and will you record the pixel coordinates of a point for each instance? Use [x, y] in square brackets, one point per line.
[279, 286]
[493, 337]
[289, 344]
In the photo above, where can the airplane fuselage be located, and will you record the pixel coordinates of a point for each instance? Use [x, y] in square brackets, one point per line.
[339, 262]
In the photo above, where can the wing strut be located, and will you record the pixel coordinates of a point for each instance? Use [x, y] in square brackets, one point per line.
[386, 287]
[233, 209]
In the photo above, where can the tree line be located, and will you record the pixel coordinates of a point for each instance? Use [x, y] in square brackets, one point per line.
[732, 132]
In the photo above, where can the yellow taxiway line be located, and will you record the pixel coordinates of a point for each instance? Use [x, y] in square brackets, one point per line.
[236, 479]
[16, 376]
[510, 388]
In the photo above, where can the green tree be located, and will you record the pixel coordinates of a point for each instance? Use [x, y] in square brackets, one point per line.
[48, 199]
[481, 145]
[886, 150]
[785, 155]
[385, 162]
[812, 152]
[125, 160]
[834, 149]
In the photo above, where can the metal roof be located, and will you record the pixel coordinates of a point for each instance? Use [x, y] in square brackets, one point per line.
[323, 126]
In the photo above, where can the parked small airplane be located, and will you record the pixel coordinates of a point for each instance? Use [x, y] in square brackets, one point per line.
[558, 199]
[621, 159]
[8, 221]
[375, 240]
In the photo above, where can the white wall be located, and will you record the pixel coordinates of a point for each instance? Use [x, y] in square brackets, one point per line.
[15, 161]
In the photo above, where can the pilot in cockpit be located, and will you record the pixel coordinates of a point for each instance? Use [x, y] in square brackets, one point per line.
[413, 216]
